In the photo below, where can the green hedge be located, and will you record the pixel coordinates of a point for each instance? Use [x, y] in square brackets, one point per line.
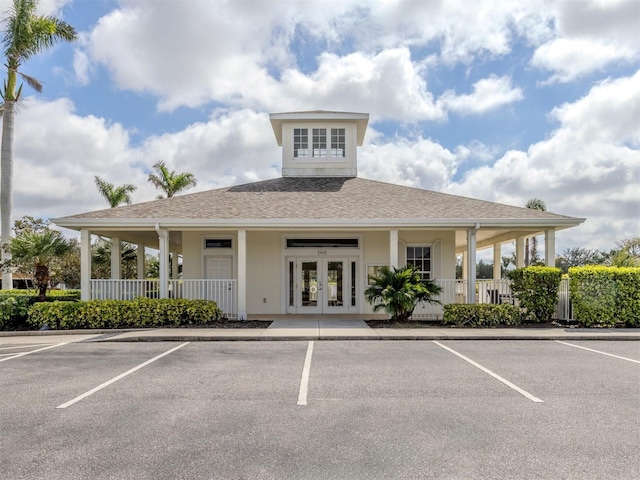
[481, 315]
[605, 296]
[72, 294]
[536, 289]
[138, 313]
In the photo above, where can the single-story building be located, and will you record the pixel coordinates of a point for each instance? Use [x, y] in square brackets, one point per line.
[308, 242]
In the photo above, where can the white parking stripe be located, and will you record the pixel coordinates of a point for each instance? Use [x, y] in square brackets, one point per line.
[32, 351]
[598, 351]
[115, 379]
[31, 345]
[304, 381]
[494, 375]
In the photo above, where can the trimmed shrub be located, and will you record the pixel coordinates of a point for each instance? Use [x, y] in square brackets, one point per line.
[536, 289]
[605, 296]
[138, 313]
[481, 315]
[13, 312]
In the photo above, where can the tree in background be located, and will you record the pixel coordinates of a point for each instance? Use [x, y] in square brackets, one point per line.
[25, 35]
[578, 257]
[38, 249]
[101, 260]
[115, 196]
[531, 245]
[171, 182]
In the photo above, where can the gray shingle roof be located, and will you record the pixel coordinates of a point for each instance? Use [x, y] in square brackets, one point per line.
[319, 198]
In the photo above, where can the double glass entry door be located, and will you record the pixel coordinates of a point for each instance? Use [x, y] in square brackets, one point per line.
[319, 285]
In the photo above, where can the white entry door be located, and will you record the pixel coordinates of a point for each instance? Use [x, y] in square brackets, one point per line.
[319, 285]
[217, 268]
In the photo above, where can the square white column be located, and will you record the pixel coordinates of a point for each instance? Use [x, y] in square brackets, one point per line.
[116, 259]
[242, 274]
[163, 239]
[550, 248]
[497, 261]
[85, 264]
[520, 252]
[471, 265]
[393, 248]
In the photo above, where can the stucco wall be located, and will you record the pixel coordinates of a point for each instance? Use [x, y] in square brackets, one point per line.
[264, 272]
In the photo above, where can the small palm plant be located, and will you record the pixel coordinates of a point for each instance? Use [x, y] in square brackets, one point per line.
[398, 291]
[38, 249]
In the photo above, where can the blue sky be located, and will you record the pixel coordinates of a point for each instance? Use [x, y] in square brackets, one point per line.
[502, 101]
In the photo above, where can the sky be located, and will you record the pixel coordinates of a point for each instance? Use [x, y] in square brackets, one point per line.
[500, 100]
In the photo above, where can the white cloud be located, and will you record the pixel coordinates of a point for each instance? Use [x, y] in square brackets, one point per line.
[588, 167]
[573, 58]
[488, 94]
[590, 35]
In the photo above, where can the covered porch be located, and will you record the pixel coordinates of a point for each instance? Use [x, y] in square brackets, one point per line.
[231, 291]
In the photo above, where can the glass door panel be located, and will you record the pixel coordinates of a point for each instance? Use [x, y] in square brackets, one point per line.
[335, 283]
[309, 284]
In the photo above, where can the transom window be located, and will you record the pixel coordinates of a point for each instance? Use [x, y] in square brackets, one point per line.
[419, 256]
[322, 145]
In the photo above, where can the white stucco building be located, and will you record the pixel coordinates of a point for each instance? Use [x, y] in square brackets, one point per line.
[307, 242]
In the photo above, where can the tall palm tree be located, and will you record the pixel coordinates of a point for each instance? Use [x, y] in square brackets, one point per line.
[531, 252]
[26, 34]
[171, 182]
[39, 249]
[115, 196]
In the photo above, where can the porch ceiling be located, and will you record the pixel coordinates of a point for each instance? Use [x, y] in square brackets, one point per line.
[486, 238]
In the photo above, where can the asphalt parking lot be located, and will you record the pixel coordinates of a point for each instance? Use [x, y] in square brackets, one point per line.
[320, 410]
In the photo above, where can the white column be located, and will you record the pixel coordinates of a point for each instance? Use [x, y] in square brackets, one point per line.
[393, 248]
[141, 261]
[242, 274]
[465, 269]
[174, 265]
[471, 265]
[497, 261]
[116, 259]
[163, 238]
[85, 264]
[520, 252]
[550, 248]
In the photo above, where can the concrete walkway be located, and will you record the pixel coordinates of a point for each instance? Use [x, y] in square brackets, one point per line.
[318, 328]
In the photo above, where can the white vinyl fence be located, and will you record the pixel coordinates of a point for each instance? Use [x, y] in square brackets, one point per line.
[223, 292]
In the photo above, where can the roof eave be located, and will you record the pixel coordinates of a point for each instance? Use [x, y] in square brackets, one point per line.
[177, 223]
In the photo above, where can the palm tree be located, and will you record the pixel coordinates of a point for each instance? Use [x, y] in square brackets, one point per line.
[26, 35]
[531, 253]
[39, 249]
[399, 291]
[171, 182]
[115, 196]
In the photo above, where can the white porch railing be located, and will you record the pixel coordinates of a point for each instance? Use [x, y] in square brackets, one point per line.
[123, 289]
[223, 292]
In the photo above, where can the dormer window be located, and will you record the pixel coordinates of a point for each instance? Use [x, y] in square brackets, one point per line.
[319, 143]
[300, 142]
[322, 146]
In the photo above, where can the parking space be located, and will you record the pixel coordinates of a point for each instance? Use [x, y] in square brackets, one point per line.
[377, 409]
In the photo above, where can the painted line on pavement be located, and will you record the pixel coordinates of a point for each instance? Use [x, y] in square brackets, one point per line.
[32, 351]
[30, 345]
[598, 351]
[304, 381]
[119, 377]
[494, 375]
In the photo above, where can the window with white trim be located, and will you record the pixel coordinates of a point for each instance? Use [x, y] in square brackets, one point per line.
[419, 256]
[300, 142]
[323, 144]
